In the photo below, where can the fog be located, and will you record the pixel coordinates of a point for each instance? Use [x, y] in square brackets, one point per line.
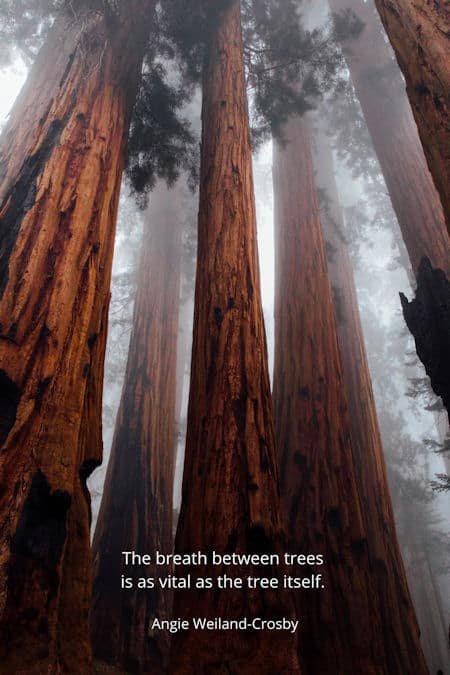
[394, 368]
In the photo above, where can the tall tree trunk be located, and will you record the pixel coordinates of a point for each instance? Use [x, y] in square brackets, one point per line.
[426, 597]
[418, 31]
[398, 621]
[380, 90]
[136, 509]
[397, 145]
[342, 624]
[230, 490]
[61, 155]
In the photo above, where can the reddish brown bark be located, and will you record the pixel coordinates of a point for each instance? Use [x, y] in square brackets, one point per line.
[380, 90]
[398, 621]
[418, 32]
[342, 629]
[396, 142]
[230, 490]
[136, 509]
[62, 156]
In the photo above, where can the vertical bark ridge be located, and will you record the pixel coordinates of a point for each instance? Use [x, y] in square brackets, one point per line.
[418, 32]
[400, 630]
[396, 141]
[342, 631]
[62, 157]
[230, 489]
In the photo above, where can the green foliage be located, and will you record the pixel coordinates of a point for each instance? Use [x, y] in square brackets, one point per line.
[413, 499]
[351, 137]
[161, 143]
[421, 530]
[184, 28]
[346, 26]
[288, 68]
[24, 25]
[442, 484]
[420, 389]
[437, 447]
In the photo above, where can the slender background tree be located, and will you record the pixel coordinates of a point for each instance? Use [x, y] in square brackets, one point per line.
[136, 511]
[418, 32]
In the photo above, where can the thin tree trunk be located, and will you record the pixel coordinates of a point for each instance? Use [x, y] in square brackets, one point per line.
[230, 489]
[342, 624]
[418, 31]
[426, 601]
[61, 156]
[380, 90]
[397, 145]
[398, 621]
[185, 346]
[136, 509]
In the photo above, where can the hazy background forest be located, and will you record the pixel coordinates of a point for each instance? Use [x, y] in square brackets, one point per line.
[412, 419]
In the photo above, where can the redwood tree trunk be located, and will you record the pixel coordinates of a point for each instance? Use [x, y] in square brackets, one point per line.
[136, 509]
[342, 625]
[399, 626]
[380, 90]
[426, 597]
[397, 145]
[61, 155]
[428, 610]
[418, 31]
[230, 490]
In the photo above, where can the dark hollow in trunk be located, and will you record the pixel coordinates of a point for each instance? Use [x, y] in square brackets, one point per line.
[428, 319]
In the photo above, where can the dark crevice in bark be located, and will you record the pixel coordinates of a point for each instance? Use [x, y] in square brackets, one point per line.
[428, 319]
[88, 467]
[258, 540]
[41, 531]
[41, 389]
[22, 196]
[9, 401]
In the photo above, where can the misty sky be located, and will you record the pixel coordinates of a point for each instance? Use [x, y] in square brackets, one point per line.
[377, 254]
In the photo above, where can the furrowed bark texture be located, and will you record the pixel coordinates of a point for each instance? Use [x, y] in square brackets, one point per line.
[419, 33]
[341, 623]
[136, 509]
[61, 157]
[230, 489]
[396, 141]
[380, 90]
[400, 630]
